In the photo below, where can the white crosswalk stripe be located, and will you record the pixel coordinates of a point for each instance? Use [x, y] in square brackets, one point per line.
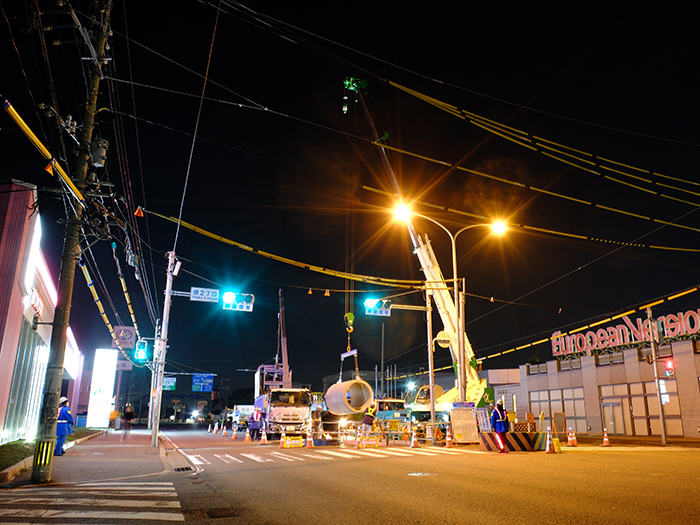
[82, 503]
[197, 460]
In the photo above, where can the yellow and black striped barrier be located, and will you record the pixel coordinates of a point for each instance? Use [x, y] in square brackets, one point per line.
[515, 441]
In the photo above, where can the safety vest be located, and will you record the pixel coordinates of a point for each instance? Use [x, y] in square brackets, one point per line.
[371, 411]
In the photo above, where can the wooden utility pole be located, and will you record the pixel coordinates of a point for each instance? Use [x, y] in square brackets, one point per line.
[46, 438]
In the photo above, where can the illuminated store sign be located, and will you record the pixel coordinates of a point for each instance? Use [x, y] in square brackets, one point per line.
[674, 325]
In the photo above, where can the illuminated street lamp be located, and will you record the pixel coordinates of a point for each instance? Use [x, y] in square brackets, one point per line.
[403, 213]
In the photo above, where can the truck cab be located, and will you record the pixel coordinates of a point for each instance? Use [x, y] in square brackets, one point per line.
[287, 410]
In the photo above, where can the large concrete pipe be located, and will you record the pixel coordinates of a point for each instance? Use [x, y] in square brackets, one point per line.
[349, 397]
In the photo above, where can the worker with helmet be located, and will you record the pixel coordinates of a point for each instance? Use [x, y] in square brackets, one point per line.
[64, 425]
[368, 418]
[499, 424]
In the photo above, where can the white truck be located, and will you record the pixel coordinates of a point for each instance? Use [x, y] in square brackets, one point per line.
[240, 415]
[286, 410]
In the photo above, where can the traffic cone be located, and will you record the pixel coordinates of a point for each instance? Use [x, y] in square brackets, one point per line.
[309, 440]
[263, 438]
[448, 439]
[573, 442]
[224, 434]
[209, 428]
[550, 446]
[606, 441]
[282, 438]
[247, 434]
[414, 439]
[234, 431]
[216, 428]
[570, 440]
[357, 440]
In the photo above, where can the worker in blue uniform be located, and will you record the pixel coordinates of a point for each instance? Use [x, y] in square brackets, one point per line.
[499, 424]
[64, 425]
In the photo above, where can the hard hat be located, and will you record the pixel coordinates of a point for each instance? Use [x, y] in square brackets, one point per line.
[63, 401]
[499, 403]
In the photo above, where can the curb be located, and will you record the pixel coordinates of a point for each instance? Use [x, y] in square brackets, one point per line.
[10, 473]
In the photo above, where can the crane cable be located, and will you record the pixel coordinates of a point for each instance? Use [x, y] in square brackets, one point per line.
[124, 289]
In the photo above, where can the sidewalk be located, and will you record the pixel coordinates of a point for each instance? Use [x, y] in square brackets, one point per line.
[111, 455]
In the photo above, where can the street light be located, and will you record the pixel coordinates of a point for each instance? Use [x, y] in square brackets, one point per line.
[403, 213]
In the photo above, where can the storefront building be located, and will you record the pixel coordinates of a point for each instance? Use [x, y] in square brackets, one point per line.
[27, 301]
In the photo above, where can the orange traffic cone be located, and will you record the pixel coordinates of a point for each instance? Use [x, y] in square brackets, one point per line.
[414, 439]
[234, 431]
[209, 428]
[216, 428]
[247, 434]
[573, 442]
[550, 446]
[263, 438]
[283, 437]
[448, 439]
[606, 441]
[309, 440]
[224, 434]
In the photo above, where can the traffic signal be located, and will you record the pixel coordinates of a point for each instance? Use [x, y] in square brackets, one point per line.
[380, 307]
[349, 321]
[140, 352]
[670, 367]
[238, 301]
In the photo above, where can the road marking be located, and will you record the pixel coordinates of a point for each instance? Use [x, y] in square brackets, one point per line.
[122, 493]
[95, 514]
[338, 454]
[257, 458]
[443, 451]
[316, 456]
[419, 452]
[92, 502]
[365, 452]
[391, 452]
[286, 457]
[197, 460]
[227, 459]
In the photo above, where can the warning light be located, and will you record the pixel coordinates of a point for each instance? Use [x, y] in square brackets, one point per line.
[670, 367]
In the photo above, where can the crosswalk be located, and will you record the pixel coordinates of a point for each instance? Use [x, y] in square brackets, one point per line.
[268, 455]
[130, 502]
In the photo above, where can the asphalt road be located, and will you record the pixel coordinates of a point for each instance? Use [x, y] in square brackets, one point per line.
[263, 484]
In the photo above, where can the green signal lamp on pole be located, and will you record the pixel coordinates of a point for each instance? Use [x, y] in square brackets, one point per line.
[242, 302]
[379, 307]
[140, 352]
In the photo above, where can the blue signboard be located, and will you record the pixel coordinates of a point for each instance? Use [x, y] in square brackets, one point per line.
[202, 382]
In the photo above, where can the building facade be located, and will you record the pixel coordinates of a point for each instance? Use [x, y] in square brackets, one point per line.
[27, 301]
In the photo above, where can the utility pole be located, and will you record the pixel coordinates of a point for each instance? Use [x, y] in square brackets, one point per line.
[46, 438]
[160, 347]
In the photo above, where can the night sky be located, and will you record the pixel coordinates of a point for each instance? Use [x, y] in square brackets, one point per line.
[278, 166]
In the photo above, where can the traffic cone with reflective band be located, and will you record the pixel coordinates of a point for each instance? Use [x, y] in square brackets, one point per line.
[573, 442]
[282, 438]
[209, 428]
[224, 434]
[263, 438]
[247, 434]
[550, 445]
[606, 441]
[216, 428]
[414, 439]
[234, 431]
[448, 439]
[309, 440]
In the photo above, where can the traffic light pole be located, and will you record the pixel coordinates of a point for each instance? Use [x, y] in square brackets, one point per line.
[159, 353]
[655, 355]
[46, 437]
